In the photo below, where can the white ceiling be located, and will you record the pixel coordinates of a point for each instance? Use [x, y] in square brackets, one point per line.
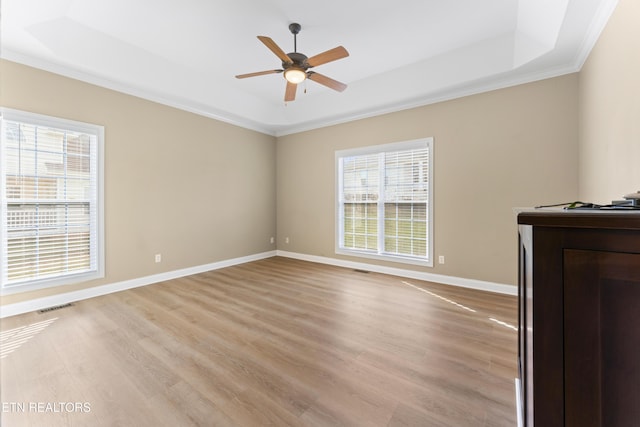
[403, 53]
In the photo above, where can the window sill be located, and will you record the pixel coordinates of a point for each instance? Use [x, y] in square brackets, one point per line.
[388, 258]
[50, 283]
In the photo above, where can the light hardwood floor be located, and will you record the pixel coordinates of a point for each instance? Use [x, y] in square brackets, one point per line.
[273, 342]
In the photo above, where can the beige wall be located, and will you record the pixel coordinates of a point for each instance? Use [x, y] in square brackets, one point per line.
[194, 189]
[610, 110]
[494, 151]
[566, 138]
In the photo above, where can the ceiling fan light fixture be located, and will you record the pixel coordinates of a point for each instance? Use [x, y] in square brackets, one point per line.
[295, 75]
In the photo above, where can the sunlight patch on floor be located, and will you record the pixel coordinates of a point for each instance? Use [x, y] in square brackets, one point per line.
[13, 339]
[505, 324]
[464, 307]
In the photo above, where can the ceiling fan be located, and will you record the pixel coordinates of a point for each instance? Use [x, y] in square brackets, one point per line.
[296, 65]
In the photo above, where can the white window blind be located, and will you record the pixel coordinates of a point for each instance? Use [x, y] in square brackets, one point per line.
[361, 187]
[384, 201]
[50, 226]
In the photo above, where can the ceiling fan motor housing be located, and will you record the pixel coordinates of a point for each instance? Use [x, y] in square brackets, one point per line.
[299, 61]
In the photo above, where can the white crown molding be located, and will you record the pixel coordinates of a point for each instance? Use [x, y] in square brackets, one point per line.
[474, 88]
[93, 79]
[598, 24]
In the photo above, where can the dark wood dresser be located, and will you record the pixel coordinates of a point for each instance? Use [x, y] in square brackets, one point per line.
[579, 318]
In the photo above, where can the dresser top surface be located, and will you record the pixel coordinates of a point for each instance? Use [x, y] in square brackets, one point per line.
[577, 218]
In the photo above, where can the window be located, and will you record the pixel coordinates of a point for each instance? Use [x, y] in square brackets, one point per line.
[384, 206]
[51, 199]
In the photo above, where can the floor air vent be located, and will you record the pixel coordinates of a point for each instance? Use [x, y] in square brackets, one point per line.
[360, 271]
[55, 307]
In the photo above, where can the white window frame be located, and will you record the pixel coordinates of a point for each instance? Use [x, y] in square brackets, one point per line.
[98, 268]
[380, 254]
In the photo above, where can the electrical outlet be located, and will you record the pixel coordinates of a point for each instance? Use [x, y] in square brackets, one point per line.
[272, 240]
[286, 240]
[441, 259]
[158, 257]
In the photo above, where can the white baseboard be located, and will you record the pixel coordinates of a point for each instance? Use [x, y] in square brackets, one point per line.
[68, 297]
[411, 274]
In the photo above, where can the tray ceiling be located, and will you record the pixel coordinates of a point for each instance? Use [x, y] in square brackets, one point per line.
[402, 54]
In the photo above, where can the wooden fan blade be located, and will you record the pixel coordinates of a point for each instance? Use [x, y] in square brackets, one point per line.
[290, 92]
[273, 47]
[328, 56]
[259, 73]
[326, 81]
